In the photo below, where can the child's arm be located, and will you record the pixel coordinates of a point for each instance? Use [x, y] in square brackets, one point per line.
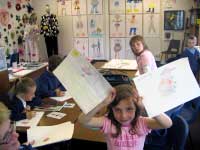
[96, 122]
[159, 122]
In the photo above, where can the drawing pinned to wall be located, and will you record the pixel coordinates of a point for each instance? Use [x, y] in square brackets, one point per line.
[117, 47]
[64, 9]
[151, 6]
[80, 26]
[96, 48]
[154, 44]
[151, 25]
[168, 3]
[128, 52]
[133, 24]
[95, 6]
[95, 25]
[81, 44]
[117, 6]
[133, 6]
[117, 25]
[78, 7]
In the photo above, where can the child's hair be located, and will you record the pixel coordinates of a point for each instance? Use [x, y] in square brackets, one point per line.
[54, 61]
[138, 38]
[192, 37]
[123, 91]
[4, 113]
[22, 85]
[33, 18]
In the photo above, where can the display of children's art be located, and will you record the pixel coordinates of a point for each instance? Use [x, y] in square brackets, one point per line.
[94, 6]
[95, 25]
[133, 25]
[151, 25]
[117, 7]
[81, 44]
[154, 44]
[128, 52]
[79, 7]
[117, 25]
[96, 48]
[133, 6]
[151, 6]
[117, 48]
[80, 26]
[64, 9]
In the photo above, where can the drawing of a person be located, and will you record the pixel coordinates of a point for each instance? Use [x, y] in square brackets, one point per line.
[94, 7]
[117, 48]
[77, 6]
[151, 24]
[132, 30]
[117, 21]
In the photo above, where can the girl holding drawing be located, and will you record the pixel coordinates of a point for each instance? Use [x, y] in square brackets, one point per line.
[123, 126]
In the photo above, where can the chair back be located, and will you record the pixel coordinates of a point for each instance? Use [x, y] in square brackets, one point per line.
[4, 82]
[174, 46]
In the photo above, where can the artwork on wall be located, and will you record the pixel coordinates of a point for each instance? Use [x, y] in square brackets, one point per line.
[117, 25]
[81, 44]
[151, 6]
[78, 7]
[94, 6]
[95, 25]
[128, 52]
[133, 6]
[96, 48]
[117, 7]
[64, 9]
[117, 48]
[151, 25]
[80, 26]
[133, 25]
[154, 44]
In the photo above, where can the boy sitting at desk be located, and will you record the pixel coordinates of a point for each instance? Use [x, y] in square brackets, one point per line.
[47, 84]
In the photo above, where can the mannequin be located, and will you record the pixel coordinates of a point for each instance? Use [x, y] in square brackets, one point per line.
[49, 28]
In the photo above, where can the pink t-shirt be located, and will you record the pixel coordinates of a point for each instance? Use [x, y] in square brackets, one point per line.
[146, 61]
[125, 141]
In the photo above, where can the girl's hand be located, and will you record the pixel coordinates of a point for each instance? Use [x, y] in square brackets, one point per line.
[59, 93]
[110, 97]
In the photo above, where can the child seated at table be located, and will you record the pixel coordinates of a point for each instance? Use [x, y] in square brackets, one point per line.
[22, 100]
[47, 84]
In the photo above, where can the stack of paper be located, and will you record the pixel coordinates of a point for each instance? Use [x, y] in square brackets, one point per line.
[62, 98]
[44, 135]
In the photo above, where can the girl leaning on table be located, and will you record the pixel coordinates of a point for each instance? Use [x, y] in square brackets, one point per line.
[123, 126]
[22, 99]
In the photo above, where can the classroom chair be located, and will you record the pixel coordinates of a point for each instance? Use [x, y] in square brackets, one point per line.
[4, 82]
[173, 49]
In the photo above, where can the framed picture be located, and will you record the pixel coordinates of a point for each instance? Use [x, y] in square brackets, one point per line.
[174, 20]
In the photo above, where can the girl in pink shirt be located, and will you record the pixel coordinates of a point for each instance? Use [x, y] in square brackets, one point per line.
[145, 59]
[123, 127]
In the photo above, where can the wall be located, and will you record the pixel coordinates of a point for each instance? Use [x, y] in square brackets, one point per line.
[66, 32]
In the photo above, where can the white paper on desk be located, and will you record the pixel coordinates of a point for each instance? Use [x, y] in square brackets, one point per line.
[56, 115]
[22, 73]
[86, 85]
[44, 135]
[167, 87]
[30, 122]
[62, 98]
[123, 64]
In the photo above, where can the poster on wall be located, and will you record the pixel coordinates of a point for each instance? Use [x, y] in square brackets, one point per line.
[133, 25]
[95, 25]
[117, 48]
[94, 6]
[133, 6]
[154, 45]
[80, 26]
[117, 6]
[79, 7]
[64, 9]
[151, 25]
[96, 48]
[128, 52]
[117, 25]
[151, 6]
[81, 44]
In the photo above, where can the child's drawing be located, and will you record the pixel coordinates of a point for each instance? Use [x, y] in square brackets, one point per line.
[117, 7]
[78, 7]
[95, 25]
[117, 25]
[81, 44]
[133, 6]
[96, 48]
[128, 52]
[133, 25]
[117, 48]
[64, 8]
[94, 6]
[151, 6]
[80, 26]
